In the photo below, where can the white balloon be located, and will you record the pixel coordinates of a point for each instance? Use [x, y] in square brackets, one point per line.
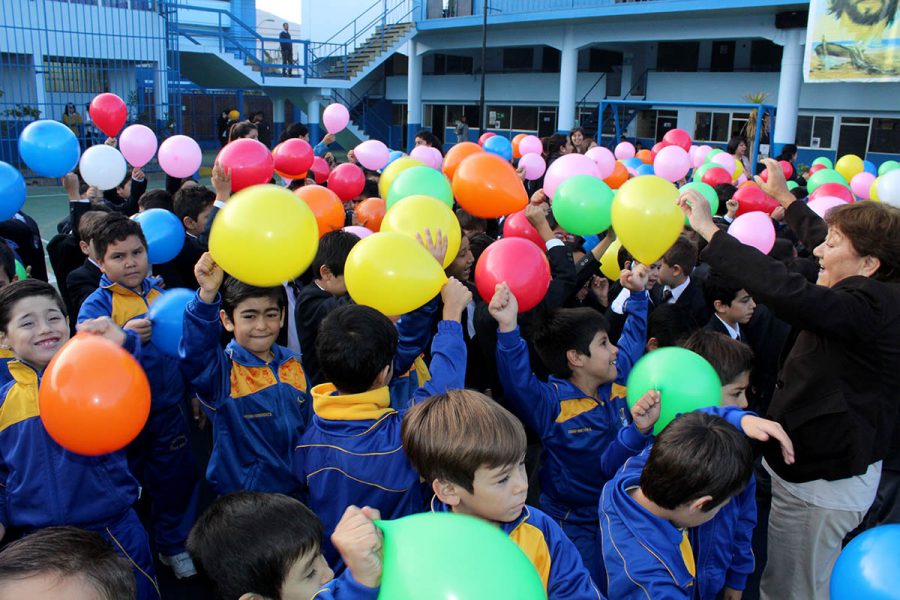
[102, 167]
[889, 188]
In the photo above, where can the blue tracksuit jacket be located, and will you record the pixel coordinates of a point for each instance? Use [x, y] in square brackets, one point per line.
[5, 357]
[258, 410]
[345, 587]
[410, 370]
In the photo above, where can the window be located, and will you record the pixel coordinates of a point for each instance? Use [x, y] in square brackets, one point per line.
[426, 115]
[602, 61]
[518, 59]
[68, 75]
[885, 136]
[765, 56]
[677, 56]
[712, 127]
[550, 60]
[646, 124]
[814, 131]
[739, 123]
[498, 116]
[525, 118]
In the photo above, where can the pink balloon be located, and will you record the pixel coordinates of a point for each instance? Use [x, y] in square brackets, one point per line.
[726, 161]
[533, 164]
[372, 154]
[137, 143]
[861, 184]
[631, 171]
[700, 155]
[567, 166]
[180, 156]
[672, 163]
[823, 204]
[426, 156]
[335, 118]
[742, 179]
[531, 144]
[359, 231]
[754, 229]
[604, 158]
[625, 150]
[437, 158]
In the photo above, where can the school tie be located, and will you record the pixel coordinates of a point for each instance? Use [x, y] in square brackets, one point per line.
[666, 295]
[687, 553]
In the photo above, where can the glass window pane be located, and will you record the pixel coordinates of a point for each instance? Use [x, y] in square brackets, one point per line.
[701, 126]
[885, 136]
[426, 115]
[525, 118]
[822, 129]
[804, 131]
[498, 116]
[720, 131]
[646, 124]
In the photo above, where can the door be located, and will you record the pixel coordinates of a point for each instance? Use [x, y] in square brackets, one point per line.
[854, 136]
[546, 122]
[722, 56]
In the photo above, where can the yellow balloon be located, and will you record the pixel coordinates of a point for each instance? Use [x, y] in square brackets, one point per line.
[392, 170]
[873, 191]
[609, 262]
[264, 236]
[646, 218]
[234, 115]
[849, 165]
[738, 169]
[392, 273]
[415, 214]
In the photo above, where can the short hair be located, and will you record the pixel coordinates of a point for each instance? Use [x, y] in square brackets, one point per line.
[235, 291]
[555, 143]
[157, 199]
[729, 357]
[623, 256]
[294, 130]
[115, 228]
[191, 201]
[782, 250]
[873, 229]
[697, 455]
[670, 324]
[734, 142]
[334, 247]
[555, 332]
[240, 130]
[682, 253]
[430, 139]
[247, 542]
[719, 287]
[89, 223]
[355, 343]
[444, 437]
[725, 192]
[787, 152]
[25, 288]
[69, 552]
[478, 243]
[7, 260]
[470, 221]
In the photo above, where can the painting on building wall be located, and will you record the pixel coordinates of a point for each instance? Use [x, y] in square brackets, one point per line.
[852, 40]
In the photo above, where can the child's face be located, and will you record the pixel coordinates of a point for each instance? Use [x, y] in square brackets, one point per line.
[461, 267]
[735, 392]
[653, 270]
[668, 275]
[37, 330]
[256, 323]
[498, 494]
[126, 263]
[601, 364]
[740, 310]
[196, 227]
[307, 576]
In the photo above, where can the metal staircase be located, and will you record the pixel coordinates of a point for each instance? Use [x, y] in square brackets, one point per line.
[382, 40]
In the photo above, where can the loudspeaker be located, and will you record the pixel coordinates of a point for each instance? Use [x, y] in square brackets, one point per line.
[793, 19]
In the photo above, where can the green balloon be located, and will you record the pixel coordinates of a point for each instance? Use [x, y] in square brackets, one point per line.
[707, 191]
[701, 171]
[711, 153]
[888, 166]
[21, 273]
[437, 556]
[582, 205]
[792, 185]
[684, 379]
[823, 176]
[823, 160]
[420, 180]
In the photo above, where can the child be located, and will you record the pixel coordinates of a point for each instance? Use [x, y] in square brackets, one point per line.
[254, 391]
[45, 485]
[192, 205]
[576, 413]
[446, 439]
[160, 457]
[732, 360]
[81, 282]
[732, 306]
[254, 546]
[677, 286]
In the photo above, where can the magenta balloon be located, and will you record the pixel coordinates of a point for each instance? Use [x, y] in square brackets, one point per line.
[137, 143]
[672, 163]
[533, 164]
[861, 184]
[359, 231]
[335, 118]
[531, 144]
[437, 158]
[625, 150]
[700, 155]
[754, 229]
[606, 161]
[726, 161]
[372, 154]
[425, 154]
[179, 156]
[823, 204]
[567, 166]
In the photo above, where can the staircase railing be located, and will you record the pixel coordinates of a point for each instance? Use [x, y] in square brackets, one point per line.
[640, 84]
[373, 124]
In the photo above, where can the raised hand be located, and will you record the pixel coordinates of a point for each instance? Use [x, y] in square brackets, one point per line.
[645, 412]
[436, 245]
[635, 280]
[504, 308]
[456, 297]
[104, 327]
[359, 542]
[209, 276]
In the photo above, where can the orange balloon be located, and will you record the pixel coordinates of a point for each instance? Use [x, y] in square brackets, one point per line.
[94, 397]
[456, 154]
[515, 144]
[748, 183]
[487, 186]
[646, 157]
[618, 176]
[326, 206]
[370, 212]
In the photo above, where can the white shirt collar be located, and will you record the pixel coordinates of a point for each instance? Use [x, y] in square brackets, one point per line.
[677, 291]
[734, 332]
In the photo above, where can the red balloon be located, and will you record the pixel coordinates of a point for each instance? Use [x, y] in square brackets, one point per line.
[815, 168]
[347, 181]
[517, 225]
[484, 137]
[656, 148]
[518, 262]
[716, 176]
[249, 161]
[751, 198]
[835, 190]
[678, 137]
[786, 168]
[293, 158]
[109, 113]
[320, 170]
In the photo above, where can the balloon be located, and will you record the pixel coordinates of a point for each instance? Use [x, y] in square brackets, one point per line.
[645, 170]
[609, 262]
[792, 185]
[517, 225]
[700, 171]
[485, 137]
[12, 191]
[739, 171]
[487, 186]
[632, 171]
[873, 191]
[103, 167]
[370, 213]
[889, 188]
[372, 155]
[888, 166]
[392, 273]
[21, 271]
[500, 146]
[517, 153]
[49, 148]
[179, 156]
[743, 179]
[458, 556]
[825, 162]
[823, 204]
[786, 168]
[849, 165]
[645, 156]
[754, 229]
[425, 156]
[678, 137]
[320, 170]
[867, 566]
[618, 177]
[657, 147]
[292, 158]
[456, 154]
[634, 162]
[264, 236]
[234, 115]
[534, 166]
[167, 316]
[705, 190]
[751, 198]
[646, 217]
[869, 167]
[582, 205]
[335, 118]
[108, 112]
[518, 262]
[624, 150]
[249, 162]
[94, 396]
[685, 382]
[163, 231]
[713, 153]
[716, 176]
[138, 145]
[726, 161]
[414, 214]
[531, 144]
[392, 170]
[605, 160]
[825, 176]
[700, 155]
[394, 155]
[590, 242]
[325, 206]
[861, 183]
[420, 181]
[358, 231]
[816, 169]
[836, 190]
[347, 181]
[672, 163]
[567, 166]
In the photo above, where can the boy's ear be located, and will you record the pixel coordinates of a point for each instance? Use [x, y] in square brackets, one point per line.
[188, 222]
[383, 377]
[85, 247]
[227, 323]
[446, 492]
[652, 344]
[699, 504]
[574, 358]
[719, 306]
[324, 272]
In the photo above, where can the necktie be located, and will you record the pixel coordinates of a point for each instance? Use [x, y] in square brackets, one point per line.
[666, 295]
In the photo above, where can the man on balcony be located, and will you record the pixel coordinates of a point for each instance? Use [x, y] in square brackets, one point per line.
[287, 52]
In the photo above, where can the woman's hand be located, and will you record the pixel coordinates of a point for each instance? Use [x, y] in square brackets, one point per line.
[776, 185]
[696, 208]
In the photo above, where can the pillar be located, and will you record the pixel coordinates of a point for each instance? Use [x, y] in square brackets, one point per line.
[166, 108]
[414, 94]
[314, 113]
[278, 118]
[627, 79]
[788, 90]
[568, 76]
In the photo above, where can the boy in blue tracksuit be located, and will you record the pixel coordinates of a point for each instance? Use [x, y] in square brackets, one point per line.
[255, 391]
[41, 483]
[160, 457]
[576, 413]
[350, 454]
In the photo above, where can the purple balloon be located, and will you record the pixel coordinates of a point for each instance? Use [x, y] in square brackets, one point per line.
[533, 164]
[138, 145]
[359, 231]
[335, 118]
[754, 229]
[700, 155]
[425, 154]
[567, 166]
[861, 184]
[822, 204]
[625, 150]
[372, 154]
[606, 161]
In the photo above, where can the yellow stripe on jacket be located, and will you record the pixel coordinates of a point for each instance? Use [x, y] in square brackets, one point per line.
[531, 541]
[126, 304]
[21, 401]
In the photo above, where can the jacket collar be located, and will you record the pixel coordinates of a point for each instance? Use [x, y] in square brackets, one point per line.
[244, 357]
[23, 373]
[566, 390]
[115, 288]
[367, 406]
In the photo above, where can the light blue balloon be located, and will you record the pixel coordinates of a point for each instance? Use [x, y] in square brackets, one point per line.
[167, 316]
[867, 566]
[12, 191]
[869, 167]
[394, 155]
[500, 146]
[645, 170]
[49, 148]
[163, 232]
[888, 166]
[634, 162]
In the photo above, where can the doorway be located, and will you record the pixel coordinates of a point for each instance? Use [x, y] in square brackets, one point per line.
[854, 136]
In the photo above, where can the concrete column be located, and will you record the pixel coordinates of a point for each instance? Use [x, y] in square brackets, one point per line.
[164, 109]
[627, 73]
[568, 77]
[314, 113]
[788, 89]
[278, 117]
[414, 94]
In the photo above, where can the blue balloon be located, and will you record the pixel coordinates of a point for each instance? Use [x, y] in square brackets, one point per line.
[167, 316]
[634, 162]
[12, 191]
[645, 170]
[869, 167]
[394, 155]
[163, 232]
[867, 567]
[49, 148]
[590, 242]
[500, 146]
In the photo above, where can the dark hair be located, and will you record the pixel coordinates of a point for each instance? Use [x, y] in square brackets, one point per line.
[670, 324]
[734, 142]
[623, 256]
[234, 292]
[470, 221]
[787, 152]
[430, 139]
[697, 455]
[115, 228]
[721, 288]
[555, 143]
[729, 357]
[478, 242]
[873, 229]
[294, 130]
[444, 437]
[7, 260]
[191, 201]
[157, 199]
[240, 130]
[247, 542]
[355, 343]
[370, 189]
[334, 247]
[782, 250]
[725, 192]
[682, 253]
[88, 222]
[557, 331]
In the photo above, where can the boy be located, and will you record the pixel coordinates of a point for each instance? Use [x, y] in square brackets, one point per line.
[254, 391]
[256, 546]
[445, 439]
[677, 286]
[160, 457]
[81, 282]
[732, 360]
[731, 306]
[43, 484]
[192, 205]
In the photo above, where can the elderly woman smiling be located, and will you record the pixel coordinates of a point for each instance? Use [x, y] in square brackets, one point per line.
[837, 391]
